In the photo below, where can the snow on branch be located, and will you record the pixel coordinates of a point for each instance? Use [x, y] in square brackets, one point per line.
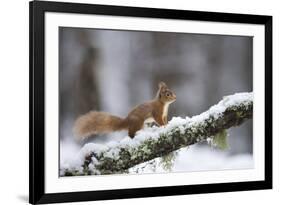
[150, 143]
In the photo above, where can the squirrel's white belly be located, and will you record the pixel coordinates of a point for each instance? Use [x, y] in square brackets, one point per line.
[149, 120]
[165, 110]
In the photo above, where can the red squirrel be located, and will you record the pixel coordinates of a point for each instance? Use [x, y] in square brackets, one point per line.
[155, 110]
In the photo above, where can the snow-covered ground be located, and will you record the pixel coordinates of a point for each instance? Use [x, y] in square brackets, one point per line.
[199, 158]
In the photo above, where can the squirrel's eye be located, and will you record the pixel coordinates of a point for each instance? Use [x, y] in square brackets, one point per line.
[168, 94]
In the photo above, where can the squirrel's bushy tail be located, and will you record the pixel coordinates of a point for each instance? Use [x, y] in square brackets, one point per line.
[98, 123]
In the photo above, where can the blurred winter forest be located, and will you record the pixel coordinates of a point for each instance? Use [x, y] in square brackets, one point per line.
[114, 70]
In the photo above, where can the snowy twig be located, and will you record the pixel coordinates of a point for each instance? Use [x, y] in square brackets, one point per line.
[150, 143]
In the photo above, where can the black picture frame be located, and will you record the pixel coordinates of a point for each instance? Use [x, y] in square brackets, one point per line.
[37, 11]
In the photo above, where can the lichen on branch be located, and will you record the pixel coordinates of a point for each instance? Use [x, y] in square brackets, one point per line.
[150, 143]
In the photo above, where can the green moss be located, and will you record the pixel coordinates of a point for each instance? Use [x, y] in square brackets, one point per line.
[168, 160]
[220, 140]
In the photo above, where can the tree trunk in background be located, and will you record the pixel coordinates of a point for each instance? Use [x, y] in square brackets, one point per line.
[78, 85]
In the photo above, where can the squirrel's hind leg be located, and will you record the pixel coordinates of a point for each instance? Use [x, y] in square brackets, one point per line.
[134, 126]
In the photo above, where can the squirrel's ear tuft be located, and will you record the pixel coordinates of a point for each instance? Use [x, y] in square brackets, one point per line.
[162, 85]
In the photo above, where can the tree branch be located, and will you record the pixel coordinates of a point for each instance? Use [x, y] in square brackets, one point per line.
[157, 142]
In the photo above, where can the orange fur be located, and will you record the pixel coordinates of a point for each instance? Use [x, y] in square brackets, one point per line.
[97, 123]
[100, 122]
